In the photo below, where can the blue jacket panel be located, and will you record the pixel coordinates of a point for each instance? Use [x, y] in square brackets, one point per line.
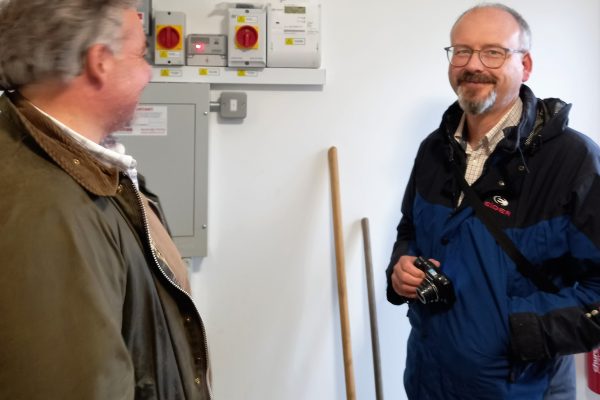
[503, 336]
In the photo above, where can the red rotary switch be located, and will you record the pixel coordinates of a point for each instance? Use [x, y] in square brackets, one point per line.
[168, 37]
[246, 37]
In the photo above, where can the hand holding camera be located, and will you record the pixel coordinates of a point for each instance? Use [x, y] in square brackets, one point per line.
[420, 278]
[436, 287]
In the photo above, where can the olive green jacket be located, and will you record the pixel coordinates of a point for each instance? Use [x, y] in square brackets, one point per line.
[86, 310]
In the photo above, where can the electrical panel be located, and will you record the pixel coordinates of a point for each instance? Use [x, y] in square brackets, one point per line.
[168, 137]
[247, 38]
[293, 34]
[169, 34]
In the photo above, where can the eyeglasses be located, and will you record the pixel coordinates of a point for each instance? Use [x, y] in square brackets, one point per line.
[491, 57]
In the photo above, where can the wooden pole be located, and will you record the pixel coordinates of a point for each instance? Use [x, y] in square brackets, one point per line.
[372, 309]
[341, 273]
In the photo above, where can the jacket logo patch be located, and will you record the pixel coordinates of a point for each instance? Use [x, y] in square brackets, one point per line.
[501, 201]
[497, 208]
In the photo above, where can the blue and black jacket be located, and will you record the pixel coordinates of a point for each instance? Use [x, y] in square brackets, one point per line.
[502, 335]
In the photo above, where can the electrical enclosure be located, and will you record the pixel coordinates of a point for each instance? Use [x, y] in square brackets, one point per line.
[169, 140]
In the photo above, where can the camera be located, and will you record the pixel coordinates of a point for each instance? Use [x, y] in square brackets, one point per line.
[436, 287]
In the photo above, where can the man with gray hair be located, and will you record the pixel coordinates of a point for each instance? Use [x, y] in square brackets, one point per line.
[498, 248]
[95, 300]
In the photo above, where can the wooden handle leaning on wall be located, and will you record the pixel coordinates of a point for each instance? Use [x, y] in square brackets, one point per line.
[341, 273]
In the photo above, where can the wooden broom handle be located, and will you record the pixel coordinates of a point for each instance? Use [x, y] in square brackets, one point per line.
[341, 273]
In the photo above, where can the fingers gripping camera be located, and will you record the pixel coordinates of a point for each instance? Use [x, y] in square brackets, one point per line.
[436, 287]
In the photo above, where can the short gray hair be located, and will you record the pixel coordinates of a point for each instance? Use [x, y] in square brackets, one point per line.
[525, 35]
[41, 39]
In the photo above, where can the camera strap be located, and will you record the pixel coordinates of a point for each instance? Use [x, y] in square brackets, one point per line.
[523, 265]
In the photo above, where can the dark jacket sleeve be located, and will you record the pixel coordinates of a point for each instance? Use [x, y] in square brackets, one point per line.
[572, 324]
[404, 240]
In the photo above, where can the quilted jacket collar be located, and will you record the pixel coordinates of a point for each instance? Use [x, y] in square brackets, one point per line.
[76, 161]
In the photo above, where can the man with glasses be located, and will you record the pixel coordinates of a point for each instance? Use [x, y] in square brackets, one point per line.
[491, 319]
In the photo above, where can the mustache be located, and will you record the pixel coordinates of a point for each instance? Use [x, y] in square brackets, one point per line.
[467, 76]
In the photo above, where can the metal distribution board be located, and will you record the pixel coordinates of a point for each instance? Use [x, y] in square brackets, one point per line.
[169, 139]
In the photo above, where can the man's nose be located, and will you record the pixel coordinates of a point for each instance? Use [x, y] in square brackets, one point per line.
[475, 63]
[148, 71]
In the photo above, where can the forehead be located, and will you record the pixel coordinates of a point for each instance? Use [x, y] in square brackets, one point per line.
[486, 26]
[132, 27]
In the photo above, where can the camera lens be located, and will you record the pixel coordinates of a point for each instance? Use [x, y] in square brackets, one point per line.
[427, 293]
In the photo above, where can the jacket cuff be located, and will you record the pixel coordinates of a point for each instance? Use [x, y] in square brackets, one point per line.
[391, 294]
[394, 297]
[527, 338]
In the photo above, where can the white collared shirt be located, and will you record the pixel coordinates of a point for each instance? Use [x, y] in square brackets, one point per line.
[110, 153]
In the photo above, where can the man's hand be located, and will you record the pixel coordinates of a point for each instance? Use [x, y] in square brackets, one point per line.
[406, 277]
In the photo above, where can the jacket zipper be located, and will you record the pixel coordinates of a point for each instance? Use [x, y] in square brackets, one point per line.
[157, 264]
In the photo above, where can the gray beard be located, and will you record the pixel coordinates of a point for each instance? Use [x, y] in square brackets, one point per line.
[476, 107]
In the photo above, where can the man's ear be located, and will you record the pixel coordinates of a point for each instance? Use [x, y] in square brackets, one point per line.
[98, 61]
[527, 66]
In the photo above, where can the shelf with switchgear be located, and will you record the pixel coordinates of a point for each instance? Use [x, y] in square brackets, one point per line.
[229, 75]
[274, 45]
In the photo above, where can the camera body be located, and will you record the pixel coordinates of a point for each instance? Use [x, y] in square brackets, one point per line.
[436, 287]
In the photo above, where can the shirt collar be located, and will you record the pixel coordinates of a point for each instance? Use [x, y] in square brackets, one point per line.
[110, 152]
[104, 154]
[494, 135]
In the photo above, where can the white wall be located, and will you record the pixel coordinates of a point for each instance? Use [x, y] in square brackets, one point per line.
[267, 289]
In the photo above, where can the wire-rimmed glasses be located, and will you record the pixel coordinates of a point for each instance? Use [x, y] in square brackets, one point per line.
[490, 56]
